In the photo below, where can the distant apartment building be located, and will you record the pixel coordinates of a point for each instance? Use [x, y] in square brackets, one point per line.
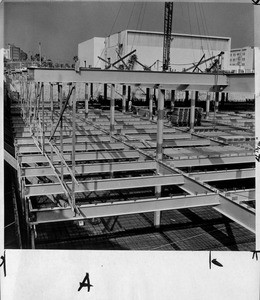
[242, 60]
[15, 53]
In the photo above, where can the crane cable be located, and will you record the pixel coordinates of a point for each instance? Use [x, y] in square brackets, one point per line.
[206, 30]
[204, 26]
[137, 25]
[142, 20]
[198, 25]
[111, 30]
[191, 32]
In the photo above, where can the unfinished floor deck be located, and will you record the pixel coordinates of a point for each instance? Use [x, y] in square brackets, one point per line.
[119, 183]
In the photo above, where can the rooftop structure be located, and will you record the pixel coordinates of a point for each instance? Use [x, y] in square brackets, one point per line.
[185, 49]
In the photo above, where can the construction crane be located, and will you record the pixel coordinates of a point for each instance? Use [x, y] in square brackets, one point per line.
[168, 9]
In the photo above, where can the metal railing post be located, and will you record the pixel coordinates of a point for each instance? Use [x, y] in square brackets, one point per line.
[112, 109]
[51, 98]
[159, 149]
[86, 98]
[73, 158]
[61, 127]
[43, 120]
[124, 99]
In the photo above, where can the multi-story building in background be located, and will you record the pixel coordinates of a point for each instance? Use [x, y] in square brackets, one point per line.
[15, 53]
[15, 58]
[242, 60]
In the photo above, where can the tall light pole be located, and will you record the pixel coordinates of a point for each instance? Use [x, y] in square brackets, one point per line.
[40, 52]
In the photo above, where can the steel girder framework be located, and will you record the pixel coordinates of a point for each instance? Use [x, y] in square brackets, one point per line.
[71, 160]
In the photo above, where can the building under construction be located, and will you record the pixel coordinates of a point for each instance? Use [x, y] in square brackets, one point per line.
[123, 174]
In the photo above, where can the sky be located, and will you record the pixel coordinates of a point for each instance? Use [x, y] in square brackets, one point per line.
[61, 26]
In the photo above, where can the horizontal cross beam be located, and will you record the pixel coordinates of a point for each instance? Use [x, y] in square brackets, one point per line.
[91, 168]
[193, 162]
[175, 79]
[78, 147]
[124, 207]
[82, 156]
[224, 175]
[103, 185]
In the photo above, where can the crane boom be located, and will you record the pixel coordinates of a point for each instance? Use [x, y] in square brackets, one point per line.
[168, 9]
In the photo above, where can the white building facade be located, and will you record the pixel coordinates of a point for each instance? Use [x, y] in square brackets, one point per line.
[185, 49]
[89, 51]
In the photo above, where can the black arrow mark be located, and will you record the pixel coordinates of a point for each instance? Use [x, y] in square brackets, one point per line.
[214, 260]
[3, 263]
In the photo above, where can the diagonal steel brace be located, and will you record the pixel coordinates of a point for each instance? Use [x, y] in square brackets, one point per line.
[61, 114]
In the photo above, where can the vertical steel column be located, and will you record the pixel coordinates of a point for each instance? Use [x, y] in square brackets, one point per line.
[186, 96]
[52, 121]
[155, 99]
[28, 226]
[216, 101]
[27, 100]
[36, 89]
[223, 98]
[172, 99]
[32, 237]
[226, 97]
[43, 121]
[128, 96]
[105, 91]
[192, 110]
[151, 105]
[131, 100]
[160, 124]
[86, 98]
[38, 100]
[61, 128]
[22, 97]
[73, 156]
[124, 99]
[147, 97]
[30, 104]
[112, 109]
[207, 105]
[91, 90]
[159, 148]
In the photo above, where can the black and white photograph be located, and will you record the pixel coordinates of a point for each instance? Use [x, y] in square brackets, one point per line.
[130, 126]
